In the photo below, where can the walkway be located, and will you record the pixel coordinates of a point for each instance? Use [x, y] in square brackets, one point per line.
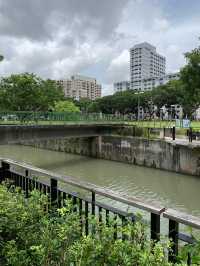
[183, 142]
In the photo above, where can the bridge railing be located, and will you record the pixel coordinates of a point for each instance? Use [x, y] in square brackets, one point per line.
[35, 117]
[59, 187]
[23, 117]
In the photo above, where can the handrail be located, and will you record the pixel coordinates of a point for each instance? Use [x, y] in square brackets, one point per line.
[57, 196]
[169, 213]
[182, 218]
[131, 201]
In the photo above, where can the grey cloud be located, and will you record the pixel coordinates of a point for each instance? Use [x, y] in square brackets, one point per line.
[55, 38]
[39, 19]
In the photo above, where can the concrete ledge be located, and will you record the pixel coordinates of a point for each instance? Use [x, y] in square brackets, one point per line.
[10, 134]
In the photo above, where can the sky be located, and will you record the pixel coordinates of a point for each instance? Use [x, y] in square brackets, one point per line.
[56, 39]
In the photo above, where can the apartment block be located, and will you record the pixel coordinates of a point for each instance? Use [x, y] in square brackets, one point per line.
[121, 86]
[145, 63]
[78, 87]
[151, 83]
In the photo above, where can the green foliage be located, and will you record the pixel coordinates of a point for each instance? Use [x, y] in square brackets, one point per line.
[127, 102]
[124, 102]
[190, 78]
[102, 249]
[1, 58]
[27, 92]
[31, 236]
[84, 104]
[168, 94]
[94, 107]
[192, 249]
[66, 106]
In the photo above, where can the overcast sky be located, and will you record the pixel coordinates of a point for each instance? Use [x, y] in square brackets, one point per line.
[57, 38]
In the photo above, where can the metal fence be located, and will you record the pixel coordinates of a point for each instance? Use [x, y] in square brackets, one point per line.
[28, 117]
[23, 117]
[56, 187]
[35, 117]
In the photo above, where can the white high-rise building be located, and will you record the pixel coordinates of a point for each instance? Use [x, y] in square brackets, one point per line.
[145, 63]
[121, 86]
[151, 83]
[81, 87]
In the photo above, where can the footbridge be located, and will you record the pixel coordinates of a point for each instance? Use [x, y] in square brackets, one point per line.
[11, 134]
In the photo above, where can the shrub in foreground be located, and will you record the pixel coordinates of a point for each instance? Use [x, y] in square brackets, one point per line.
[31, 236]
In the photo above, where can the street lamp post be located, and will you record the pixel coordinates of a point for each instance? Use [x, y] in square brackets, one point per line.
[138, 107]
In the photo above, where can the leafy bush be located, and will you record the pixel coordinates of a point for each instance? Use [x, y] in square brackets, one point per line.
[66, 106]
[31, 236]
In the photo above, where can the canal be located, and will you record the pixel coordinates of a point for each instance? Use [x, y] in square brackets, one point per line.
[169, 189]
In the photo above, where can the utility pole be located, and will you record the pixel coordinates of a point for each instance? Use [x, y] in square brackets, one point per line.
[138, 118]
[138, 107]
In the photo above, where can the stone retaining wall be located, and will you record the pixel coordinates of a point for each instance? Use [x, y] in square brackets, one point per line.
[151, 153]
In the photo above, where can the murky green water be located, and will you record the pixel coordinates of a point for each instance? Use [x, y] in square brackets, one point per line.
[168, 189]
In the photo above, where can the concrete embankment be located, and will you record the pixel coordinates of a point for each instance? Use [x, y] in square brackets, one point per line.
[177, 156]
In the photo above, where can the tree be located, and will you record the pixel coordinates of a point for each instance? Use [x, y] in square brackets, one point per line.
[94, 107]
[168, 94]
[146, 101]
[105, 104]
[190, 78]
[28, 92]
[51, 93]
[121, 102]
[66, 106]
[127, 102]
[1, 58]
[83, 104]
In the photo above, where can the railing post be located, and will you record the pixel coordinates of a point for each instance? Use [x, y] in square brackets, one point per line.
[86, 218]
[173, 236]
[173, 133]
[5, 168]
[190, 134]
[93, 209]
[74, 203]
[189, 259]
[80, 214]
[107, 217]
[124, 223]
[93, 203]
[115, 226]
[26, 183]
[54, 189]
[155, 227]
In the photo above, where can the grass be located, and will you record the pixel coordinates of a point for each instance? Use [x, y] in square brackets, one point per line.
[153, 123]
[81, 122]
[161, 124]
[141, 123]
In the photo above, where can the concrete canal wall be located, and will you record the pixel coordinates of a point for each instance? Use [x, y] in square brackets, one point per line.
[160, 154]
[82, 146]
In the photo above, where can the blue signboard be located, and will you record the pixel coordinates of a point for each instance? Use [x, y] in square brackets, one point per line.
[186, 123]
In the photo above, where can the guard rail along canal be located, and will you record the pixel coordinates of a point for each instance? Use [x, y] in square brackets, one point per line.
[57, 188]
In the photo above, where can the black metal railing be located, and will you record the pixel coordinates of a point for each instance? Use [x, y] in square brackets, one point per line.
[54, 185]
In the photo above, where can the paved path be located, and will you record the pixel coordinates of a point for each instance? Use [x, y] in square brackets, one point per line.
[183, 141]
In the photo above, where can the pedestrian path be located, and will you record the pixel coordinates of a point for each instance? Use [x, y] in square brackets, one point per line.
[183, 141]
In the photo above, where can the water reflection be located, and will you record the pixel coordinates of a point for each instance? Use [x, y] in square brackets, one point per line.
[167, 188]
